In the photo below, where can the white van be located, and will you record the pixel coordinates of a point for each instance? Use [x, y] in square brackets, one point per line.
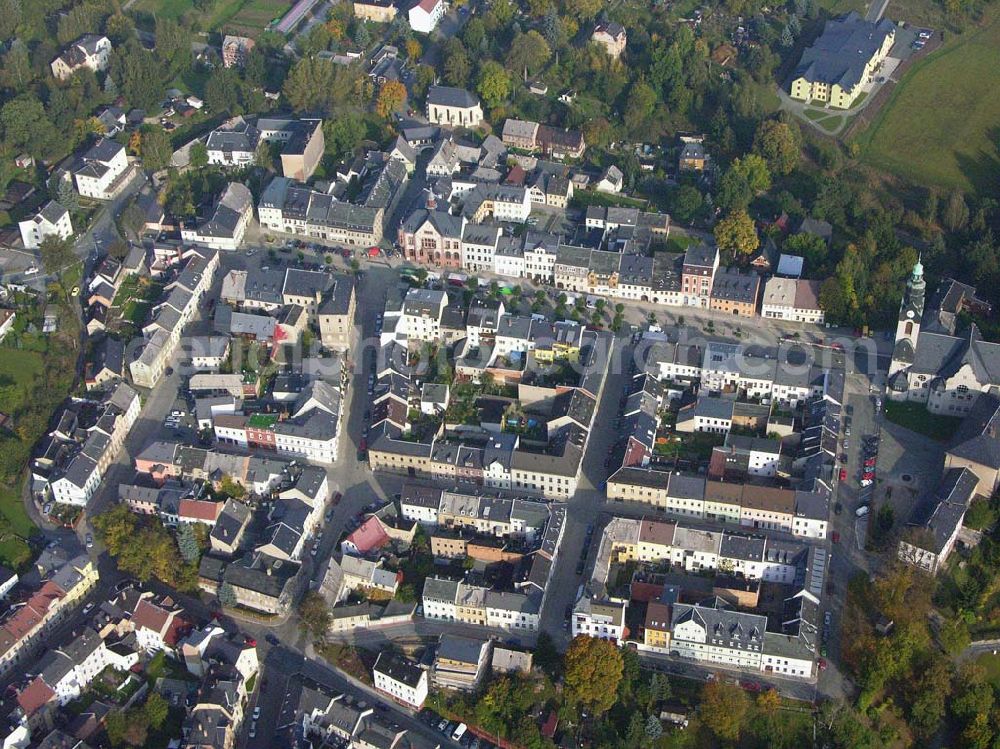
[459, 732]
[862, 511]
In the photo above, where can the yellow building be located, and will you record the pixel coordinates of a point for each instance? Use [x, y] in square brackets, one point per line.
[376, 11]
[842, 60]
[656, 629]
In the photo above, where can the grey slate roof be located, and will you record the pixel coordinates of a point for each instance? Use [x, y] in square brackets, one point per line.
[398, 669]
[459, 648]
[841, 52]
[448, 96]
[949, 503]
[724, 627]
[976, 439]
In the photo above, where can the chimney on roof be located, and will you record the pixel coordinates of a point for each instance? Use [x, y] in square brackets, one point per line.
[431, 202]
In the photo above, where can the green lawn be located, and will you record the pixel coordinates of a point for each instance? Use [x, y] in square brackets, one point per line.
[916, 418]
[830, 123]
[991, 663]
[251, 15]
[939, 125]
[248, 15]
[168, 9]
[583, 198]
[18, 370]
[680, 242]
[838, 7]
[16, 526]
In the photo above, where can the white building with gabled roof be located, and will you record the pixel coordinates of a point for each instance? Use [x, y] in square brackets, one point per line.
[52, 220]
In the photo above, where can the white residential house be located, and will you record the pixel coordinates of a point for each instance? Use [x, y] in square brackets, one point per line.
[77, 482]
[101, 173]
[400, 679]
[479, 245]
[424, 16]
[611, 181]
[421, 317]
[540, 262]
[511, 611]
[717, 634]
[224, 229]
[792, 299]
[604, 620]
[92, 51]
[508, 258]
[233, 144]
[52, 220]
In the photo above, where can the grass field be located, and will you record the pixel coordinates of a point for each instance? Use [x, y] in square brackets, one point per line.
[916, 418]
[250, 16]
[17, 526]
[941, 123]
[680, 242]
[838, 7]
[167, 9]
[18, 370]
[991, 663]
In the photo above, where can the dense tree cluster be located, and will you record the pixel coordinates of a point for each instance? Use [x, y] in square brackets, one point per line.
[142, 547]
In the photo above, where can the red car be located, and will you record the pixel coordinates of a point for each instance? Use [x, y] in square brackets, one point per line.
[870, 463]
[843, 474]
[750, 686]
[822, 664]
[363, 446]
[250, 642]
[868, 475]
[836, 537]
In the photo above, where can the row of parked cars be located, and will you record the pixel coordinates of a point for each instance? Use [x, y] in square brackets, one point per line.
[869, 457]
[455, 731]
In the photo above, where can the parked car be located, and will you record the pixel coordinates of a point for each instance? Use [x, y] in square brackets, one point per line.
[862, 511]
[836, 537]
[843, 474]
[90, 540]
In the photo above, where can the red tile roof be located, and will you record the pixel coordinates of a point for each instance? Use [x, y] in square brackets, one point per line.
[26, 618]
[150, 616]
[369, 536]
[199, 509]
[178, 627]
[550, 725]
[645, 592]
[515, 176]
[34, 696]
[428, 5]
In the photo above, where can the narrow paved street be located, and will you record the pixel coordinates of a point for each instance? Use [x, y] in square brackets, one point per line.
[585, 506]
